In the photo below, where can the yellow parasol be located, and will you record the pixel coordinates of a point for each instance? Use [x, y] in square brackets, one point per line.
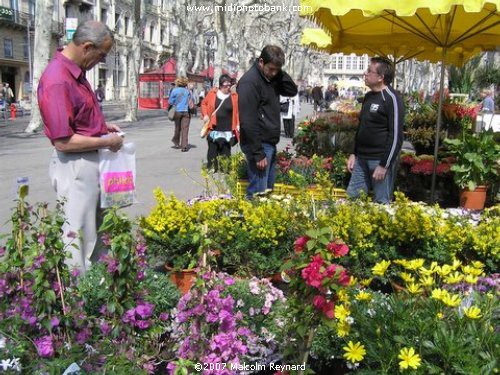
[450, 31]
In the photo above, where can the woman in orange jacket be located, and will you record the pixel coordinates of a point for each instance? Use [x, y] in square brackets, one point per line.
[220, 110]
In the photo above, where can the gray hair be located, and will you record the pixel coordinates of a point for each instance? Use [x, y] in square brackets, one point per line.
[92, 31]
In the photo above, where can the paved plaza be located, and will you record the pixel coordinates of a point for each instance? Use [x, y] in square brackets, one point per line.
[158, 165]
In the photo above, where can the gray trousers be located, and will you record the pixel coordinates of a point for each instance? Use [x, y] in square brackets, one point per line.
[75, 178]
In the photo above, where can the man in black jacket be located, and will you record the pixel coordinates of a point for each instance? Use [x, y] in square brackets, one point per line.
[379, 136]
[259, 93]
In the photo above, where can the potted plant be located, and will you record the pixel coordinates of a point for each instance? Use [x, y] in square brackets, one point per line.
[476, 166]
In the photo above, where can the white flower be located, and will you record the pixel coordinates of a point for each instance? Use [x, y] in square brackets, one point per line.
[2, 342]
[370, 312]
[349, 320]
[5, 364]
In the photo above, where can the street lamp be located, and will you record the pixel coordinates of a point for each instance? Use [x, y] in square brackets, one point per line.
[210, 39]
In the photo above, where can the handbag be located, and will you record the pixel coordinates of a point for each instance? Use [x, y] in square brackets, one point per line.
[171, 113]
[204, 129]
[173, 108]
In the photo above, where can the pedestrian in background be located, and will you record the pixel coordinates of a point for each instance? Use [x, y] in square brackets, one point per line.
[259, 93]
[317, 95]
[488, 104]
[220, 110]
[99, 94]
[76, 128]
[290, 107]
[180, 97]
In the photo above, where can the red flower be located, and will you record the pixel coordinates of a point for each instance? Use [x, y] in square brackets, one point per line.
[319, 301]
[312, 273]
[338, 249]
[329, 309]
[344, 278]
[300, 243]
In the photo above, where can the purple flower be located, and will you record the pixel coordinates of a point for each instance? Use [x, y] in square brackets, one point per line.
[106, 239]
[145, 310]
[143, 324]
[72, 235]
[164, 316]
[44, 346]
[129, 316]
[54, 322]
[140, 275]
[38, 261]
[75, 272]
[229, 281]
[112, 265]
[105, 328]
[171, 368]
[149, 367]
[41, 239]
[83, 336]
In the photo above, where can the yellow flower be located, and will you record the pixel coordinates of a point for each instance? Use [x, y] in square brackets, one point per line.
[380, 268]
[439, 294]
[414, 288]
[426, 281]
[343, 329]
[472, 312]
[454, 278]
[440, 315]
[342, 296]
[407, 278]
[478, 264]
[408, 359]
[354, 352]
[414, 264]
[364, 296]
[456, 264]
[429, 271]
[353, 281]
[444, 270]
[451, 300]
[341, 312]
[366, 282]
[470, 279]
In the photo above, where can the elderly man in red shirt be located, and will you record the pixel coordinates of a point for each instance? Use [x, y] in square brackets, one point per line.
[75, 125]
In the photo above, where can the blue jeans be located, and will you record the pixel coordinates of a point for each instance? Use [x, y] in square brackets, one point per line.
[362, 181]
[260, 180]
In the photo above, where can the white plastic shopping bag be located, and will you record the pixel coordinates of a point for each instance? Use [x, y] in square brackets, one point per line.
[117, 176]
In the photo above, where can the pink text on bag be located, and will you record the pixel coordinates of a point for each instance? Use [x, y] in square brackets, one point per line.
[118, 181]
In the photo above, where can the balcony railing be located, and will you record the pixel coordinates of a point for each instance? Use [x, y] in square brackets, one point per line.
[23, 19]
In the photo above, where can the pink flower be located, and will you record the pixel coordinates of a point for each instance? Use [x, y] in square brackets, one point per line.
[319, 301]
[338, 249]
[344, 278]
[329, 309]
[41, 239]
[300, 243]
[83, 336]
[44, 346]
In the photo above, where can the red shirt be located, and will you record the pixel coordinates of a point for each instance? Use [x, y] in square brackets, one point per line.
[67, 103]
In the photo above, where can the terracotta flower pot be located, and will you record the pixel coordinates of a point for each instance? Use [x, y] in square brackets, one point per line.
[473, 200]
[183, 279]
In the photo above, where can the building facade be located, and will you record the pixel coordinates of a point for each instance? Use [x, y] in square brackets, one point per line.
[118, 15]
[346, 71]
[16, 43]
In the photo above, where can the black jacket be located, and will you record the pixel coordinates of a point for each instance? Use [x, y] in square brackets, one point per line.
[259, 108]
[380, 132]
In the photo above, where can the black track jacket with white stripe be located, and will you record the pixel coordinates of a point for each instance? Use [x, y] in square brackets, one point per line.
[380, 132]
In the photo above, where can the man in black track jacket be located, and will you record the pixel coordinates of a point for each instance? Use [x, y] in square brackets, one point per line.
[379, 136]
[259, 93]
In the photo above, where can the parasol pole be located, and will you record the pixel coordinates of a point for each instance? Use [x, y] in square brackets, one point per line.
[438, 125]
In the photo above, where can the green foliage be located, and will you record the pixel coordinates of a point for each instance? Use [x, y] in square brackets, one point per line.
[446, 340]
[486, 76]
[158, 289]
[462, 78]
[476, 159]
